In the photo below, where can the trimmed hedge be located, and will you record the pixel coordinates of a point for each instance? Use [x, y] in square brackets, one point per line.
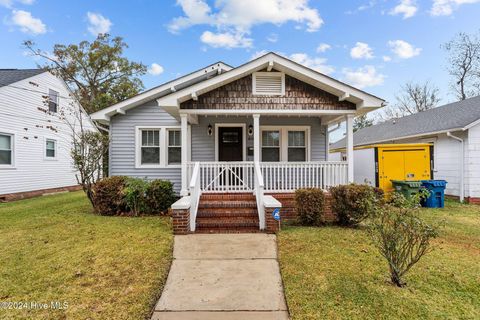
[310, 205]
[119, 195]
[353, 203]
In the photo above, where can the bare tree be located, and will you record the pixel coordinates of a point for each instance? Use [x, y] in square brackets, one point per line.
[412, 98]
[464, 64]
[361, 122]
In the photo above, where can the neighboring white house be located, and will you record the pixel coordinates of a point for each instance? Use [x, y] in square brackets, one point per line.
[454, 131]
[35, 140]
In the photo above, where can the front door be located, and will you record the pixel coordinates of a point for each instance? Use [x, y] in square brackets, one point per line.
[230, 144]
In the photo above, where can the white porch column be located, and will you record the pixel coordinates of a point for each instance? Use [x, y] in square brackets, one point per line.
[349, 120]
[256, 137]
[185, 147]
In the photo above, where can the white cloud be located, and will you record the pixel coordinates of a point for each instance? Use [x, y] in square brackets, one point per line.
[9, 3]
[226, 40]
[315, 63]
[273, 37]
[27, 23]
[363, 77]
[446, 7]
[238, 17]
[260, 53]
[155, 69]
[322, 47]
[98, 23]
[403, 49]
[407, 8]
[387, 58]
[361, 51]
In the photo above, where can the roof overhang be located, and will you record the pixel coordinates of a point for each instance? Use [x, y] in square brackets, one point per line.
[104, 115]
[364, 101]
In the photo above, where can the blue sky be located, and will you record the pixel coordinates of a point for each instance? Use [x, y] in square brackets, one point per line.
[377, 45]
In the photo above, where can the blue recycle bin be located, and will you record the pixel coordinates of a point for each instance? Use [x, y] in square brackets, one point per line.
[437, 193]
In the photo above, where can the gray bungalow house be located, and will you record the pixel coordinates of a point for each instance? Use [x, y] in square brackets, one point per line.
[236, 141]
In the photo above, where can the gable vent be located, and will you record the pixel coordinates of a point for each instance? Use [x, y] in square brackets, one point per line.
[269, 83]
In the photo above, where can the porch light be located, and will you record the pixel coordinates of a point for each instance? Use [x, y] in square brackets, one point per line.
[250, 130]
[209, 130]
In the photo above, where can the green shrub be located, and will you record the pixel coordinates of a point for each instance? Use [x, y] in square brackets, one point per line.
[310, 206]
[108, 196]
[136, 195]
[401, 237]
[160, 196]
[398, 200]
[353, 203]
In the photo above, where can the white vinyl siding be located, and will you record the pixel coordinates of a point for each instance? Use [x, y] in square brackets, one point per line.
[6, 150]
[268, 83]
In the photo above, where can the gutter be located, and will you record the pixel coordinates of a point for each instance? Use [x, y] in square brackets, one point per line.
[462, 165]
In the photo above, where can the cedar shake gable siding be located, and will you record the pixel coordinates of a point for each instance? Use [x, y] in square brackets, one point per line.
[238, 95]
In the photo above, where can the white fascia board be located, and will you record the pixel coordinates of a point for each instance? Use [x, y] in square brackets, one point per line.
[270, 112]
[145, 96]
[300, 72]
[471, 125]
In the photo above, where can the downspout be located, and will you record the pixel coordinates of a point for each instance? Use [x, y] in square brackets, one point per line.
[462, 165]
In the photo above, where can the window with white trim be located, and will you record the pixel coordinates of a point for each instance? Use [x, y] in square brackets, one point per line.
[150, 147]
[52, 100]
[297, 146]
[271, 145]
[285, 144]
[158, 147]
[50, 148]
[174, 147]
[6, 149]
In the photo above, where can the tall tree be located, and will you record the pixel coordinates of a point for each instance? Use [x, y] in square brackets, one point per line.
[413, 98]
[97, 72]
[464, 64]
[361, 122]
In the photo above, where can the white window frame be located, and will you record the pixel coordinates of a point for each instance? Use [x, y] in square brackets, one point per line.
[280, 139]
[12, 148]
[45, 157]
[268, 74]
[163, 144]
[284, 140]
[168, 146]
[57, 103]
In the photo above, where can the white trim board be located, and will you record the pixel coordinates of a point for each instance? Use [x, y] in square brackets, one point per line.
[232, 125]
[162, 145]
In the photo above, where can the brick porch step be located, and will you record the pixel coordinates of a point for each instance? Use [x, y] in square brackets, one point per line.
[227, 213]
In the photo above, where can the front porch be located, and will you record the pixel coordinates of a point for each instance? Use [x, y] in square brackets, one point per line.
[253, 156]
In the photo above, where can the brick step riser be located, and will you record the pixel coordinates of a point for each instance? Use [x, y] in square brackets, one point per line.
[226, 204]
[246, 230]
[227, 197]
[229, 224]
[226, 213]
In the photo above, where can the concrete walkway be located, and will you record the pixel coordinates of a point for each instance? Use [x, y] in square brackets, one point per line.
[223, 276]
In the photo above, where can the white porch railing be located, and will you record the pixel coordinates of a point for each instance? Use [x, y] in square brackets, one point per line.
[195, 193]
[259, 195]
[290, 176]
[228, 177]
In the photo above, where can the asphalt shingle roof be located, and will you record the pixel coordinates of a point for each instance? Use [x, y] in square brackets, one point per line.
[448, 117]
[9, 76]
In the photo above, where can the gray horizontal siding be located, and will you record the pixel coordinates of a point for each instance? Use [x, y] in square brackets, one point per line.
[122, 145]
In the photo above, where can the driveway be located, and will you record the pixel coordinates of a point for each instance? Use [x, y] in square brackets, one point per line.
[223, 276]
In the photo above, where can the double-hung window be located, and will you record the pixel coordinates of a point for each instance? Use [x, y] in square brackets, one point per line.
[6, 150]
[52, 100]
[158, 147]
[297, 147]
[271, 145]
[150, 147]
[50, 149]
[174, 147]
[285, 143]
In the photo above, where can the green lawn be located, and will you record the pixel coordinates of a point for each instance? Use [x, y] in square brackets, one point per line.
[335, 273]
[55, 249]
